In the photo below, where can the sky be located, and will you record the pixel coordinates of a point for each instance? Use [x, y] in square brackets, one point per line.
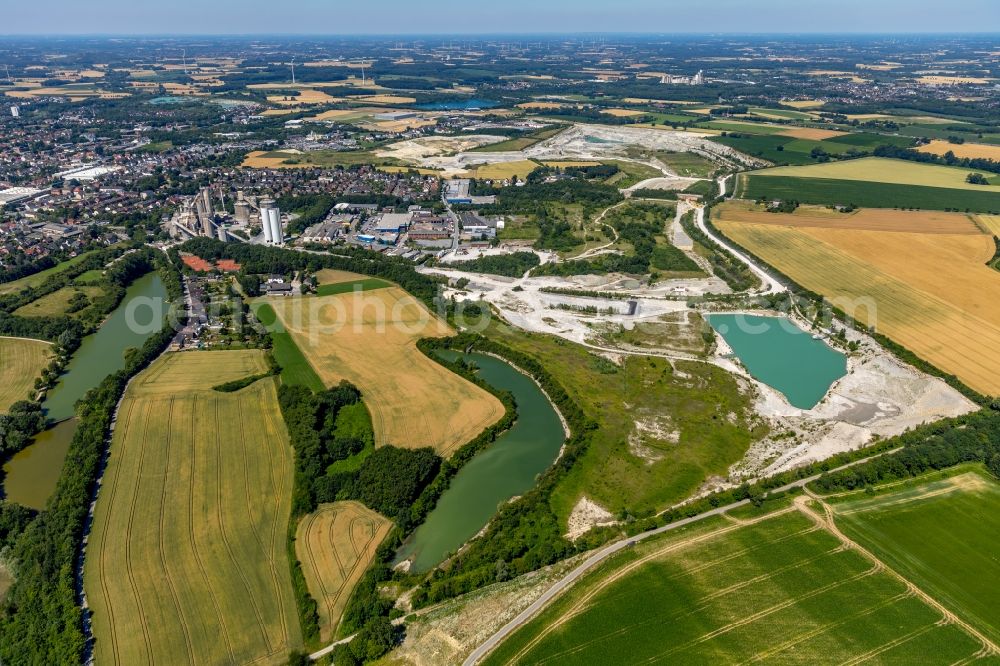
[339, 17]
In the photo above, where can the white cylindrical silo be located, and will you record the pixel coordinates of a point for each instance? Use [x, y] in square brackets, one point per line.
[277, 235]
[265, 222]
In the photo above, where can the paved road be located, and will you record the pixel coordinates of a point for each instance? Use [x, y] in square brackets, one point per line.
[607, 552]
[771, 285]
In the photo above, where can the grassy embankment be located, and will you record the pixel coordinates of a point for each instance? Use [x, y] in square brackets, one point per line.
[661, 431]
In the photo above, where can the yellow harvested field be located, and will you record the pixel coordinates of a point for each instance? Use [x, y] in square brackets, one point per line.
[991, 222]
[971, 150]
[622, 113]
[893, 281]
[305, 96]
[803, 103]
[814, 133]
[333, 276]
[884, 170]
[370, 339]
[188, 560]
[505, 170]
[21, 362]
[880, 67]
[256, 160]
[349, 114]
[868, 116]
[407, 169]
[335, 545]
[277, 112]
[837, 74]
[398, 126]
[952, 80]
[384, 99]
[867, 219]
[644, 100]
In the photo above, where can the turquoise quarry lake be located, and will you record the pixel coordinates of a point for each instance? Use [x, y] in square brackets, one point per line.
[780, 354]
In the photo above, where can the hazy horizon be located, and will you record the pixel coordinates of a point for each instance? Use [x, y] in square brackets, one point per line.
[451, 17]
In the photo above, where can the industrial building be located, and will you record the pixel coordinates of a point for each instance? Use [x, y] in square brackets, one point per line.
[476, 225]
[393, 222]
[13, 195]
[396, 115]
[457, 191]
[270, 222]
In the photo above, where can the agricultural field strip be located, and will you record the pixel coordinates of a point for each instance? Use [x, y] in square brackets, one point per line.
[818, 523]
[414, 401]
[926, 222]
[883, 170]
[905, 313]
[142, 410]
[21, 362]
[331, 586]
[937, 531]
[826, 520]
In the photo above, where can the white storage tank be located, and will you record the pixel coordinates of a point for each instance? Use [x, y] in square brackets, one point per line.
[265, 218]
[277, 235]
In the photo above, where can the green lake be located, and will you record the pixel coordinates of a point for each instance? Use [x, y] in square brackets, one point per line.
[509, 467]
[100, 354]
[780, 354]
[31, 475]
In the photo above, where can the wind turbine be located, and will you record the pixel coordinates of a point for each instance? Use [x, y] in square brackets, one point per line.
[184, 59]
[7, 69]
[293, 69]
[362, 75]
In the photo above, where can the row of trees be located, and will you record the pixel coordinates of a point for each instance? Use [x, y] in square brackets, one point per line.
[508, 265]
[948, 159]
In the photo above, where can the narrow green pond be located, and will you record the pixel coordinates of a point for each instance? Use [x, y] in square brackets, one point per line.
[509, 467]
[780, 354]
[139, 315]
[30, 476]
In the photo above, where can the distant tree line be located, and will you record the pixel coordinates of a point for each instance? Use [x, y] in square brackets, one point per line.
[948, 159]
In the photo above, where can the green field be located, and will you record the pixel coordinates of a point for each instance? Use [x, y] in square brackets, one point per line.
[630, 173]
[56, 303]
[21, 362]
[688, 164]
[39, 278]
[770, 148]
[188, 558]
[795, 152]
[658, 436]
[867, 140]
[363, 284]
[780, 590]
[941, 534]
[781, 113]
[295, 369]
[736, 126]
[90, 276]
[520, 142]
[865, 194]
